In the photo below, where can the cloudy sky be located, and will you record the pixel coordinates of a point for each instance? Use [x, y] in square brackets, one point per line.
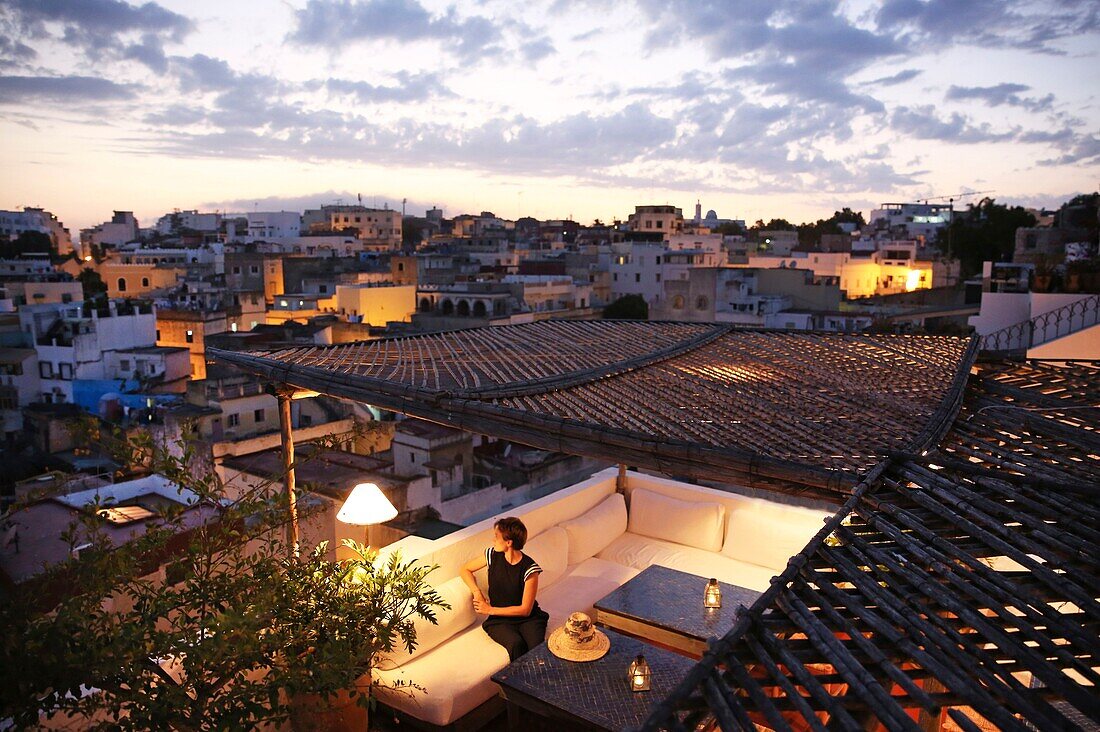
[551, 108]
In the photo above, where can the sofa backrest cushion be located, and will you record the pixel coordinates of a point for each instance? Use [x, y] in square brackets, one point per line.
[691, 523]
[770, 535]
[551, 550]
[590, 532]
[461, 616]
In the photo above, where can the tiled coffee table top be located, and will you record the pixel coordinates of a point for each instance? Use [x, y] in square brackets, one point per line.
[596, 691]
[673, 600]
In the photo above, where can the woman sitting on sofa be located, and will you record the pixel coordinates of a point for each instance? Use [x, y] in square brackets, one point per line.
[515, 619]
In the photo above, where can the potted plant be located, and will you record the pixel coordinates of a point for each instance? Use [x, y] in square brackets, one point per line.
[340, 616]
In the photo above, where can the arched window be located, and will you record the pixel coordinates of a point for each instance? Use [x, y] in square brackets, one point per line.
[678, 302]
[701, 303]
[122, 284]
[448, 307]
[425, 305]
[479, 309]
[463, 308]
[144, 281]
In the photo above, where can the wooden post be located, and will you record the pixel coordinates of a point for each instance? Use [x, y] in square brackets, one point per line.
[287, 433]
[620, 480]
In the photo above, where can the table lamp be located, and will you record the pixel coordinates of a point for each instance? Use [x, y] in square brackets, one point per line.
[366, 505]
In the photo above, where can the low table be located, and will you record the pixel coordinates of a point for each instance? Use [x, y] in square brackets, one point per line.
[544, 692]
[665, 606]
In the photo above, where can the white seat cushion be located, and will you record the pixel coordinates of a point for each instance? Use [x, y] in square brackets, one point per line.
[593, 530]
[692, 523]
[640, 552]
[580, 587]
[454, 677]
[770, 534]
[550, 550]
[429, 635]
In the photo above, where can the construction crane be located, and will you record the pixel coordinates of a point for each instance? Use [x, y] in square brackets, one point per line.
[953, 196]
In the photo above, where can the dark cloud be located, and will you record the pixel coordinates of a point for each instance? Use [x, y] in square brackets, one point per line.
[1085, 149]
[924, 123]
[899, 78]
[339, 23]
[407, 88]
[1021, 24]
[804, 51]
[61, 89]
[101, 27]
[1000, 94]
[312, 200]
[14, 52]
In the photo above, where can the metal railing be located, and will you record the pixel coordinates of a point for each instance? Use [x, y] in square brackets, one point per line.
[1066, 320]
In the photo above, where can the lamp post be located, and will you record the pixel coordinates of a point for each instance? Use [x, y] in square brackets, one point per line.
[366, 505]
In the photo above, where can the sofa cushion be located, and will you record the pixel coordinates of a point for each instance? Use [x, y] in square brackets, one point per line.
[593, 530]
[769, 534]
[693, 523]
[580, 588]
[551, 550]
[640, 552]
[429, 635]
[454, 677]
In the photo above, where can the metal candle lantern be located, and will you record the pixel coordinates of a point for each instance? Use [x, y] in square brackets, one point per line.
[712, 595]
[639, 674]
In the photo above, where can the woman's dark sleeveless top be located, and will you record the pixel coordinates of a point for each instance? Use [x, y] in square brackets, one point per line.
[506, 583]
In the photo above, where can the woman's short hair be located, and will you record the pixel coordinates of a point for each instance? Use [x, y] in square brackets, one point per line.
[511, 528]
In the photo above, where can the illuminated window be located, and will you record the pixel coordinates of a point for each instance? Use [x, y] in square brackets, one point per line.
[126, 514]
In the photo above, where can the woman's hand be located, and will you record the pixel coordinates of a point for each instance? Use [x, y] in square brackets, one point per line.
[482, 606]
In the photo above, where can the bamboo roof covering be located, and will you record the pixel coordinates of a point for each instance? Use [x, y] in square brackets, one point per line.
[960, 584]
[784, 409]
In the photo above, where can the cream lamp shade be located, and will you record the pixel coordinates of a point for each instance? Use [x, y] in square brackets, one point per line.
[366, 505]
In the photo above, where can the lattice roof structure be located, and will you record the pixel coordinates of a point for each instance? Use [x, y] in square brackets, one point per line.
[958, 581]
[961, 582]
[787, 410]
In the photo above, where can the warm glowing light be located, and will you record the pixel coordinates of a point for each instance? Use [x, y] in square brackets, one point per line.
[366, 505]
[639, 674]
[912, 280]
[712, 595]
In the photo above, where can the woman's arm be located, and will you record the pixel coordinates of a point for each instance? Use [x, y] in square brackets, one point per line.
[467, 575]
[530, 589]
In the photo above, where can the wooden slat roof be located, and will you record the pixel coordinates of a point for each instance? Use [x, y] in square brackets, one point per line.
[793, 410]
[963, 581]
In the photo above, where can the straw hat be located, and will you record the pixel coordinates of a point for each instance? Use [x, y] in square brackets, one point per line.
[578, 640]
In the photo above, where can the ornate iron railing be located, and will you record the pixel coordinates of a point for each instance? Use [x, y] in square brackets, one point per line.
[1068, 319]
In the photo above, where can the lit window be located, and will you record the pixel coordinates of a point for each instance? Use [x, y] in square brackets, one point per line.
[190, 336]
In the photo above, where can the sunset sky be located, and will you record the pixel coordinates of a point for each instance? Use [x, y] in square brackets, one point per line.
[578, 108]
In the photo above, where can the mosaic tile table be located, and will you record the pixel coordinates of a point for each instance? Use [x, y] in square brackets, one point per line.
[665, 606]
[544, 692]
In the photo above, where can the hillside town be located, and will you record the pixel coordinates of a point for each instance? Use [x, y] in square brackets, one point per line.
[115, 323]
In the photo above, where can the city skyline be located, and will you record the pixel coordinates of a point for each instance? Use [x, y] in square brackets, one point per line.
[569, 108]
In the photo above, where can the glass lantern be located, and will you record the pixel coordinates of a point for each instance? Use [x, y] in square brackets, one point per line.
[712, 595]
[639, 674]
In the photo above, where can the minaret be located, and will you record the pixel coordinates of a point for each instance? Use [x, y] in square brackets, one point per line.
[698, 211]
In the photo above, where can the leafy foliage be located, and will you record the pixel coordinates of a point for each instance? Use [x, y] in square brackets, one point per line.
[986, 231]
[205, 621]
[93, 284]
[627, 307]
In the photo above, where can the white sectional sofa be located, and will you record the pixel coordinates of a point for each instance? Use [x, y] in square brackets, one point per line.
[589, 540]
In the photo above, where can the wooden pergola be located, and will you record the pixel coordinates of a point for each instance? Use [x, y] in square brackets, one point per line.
[958, 584]
[791, 411]
[959, 579]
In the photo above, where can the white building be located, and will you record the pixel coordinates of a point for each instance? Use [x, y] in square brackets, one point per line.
[911, 220]
[14, 223]
[121, 229]
[177, 221]
[73, 343]
[642, 268]
[20, 385]
[273, 224]
[542, 293]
